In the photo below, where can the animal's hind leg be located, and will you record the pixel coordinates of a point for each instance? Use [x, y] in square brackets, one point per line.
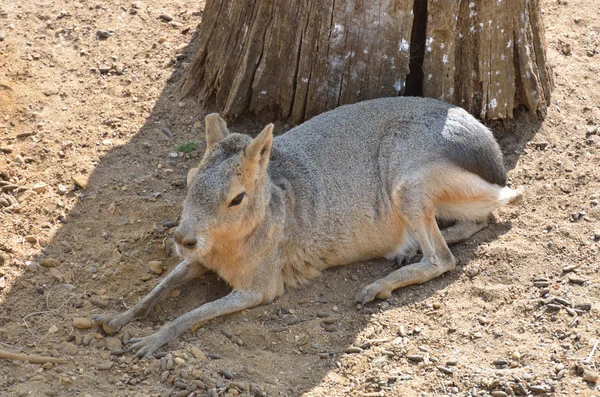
[437, 258]
[462, 230]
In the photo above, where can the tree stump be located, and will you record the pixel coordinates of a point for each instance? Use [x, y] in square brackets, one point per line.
[294, 59]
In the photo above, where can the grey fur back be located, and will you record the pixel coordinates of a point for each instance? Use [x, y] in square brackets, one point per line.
[427, 130]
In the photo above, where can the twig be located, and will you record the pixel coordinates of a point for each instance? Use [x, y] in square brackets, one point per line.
[591, 355]
[32, 359]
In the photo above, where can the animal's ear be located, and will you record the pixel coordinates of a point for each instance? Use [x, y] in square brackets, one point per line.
[216, 129]
[259, 150]
[191, 174]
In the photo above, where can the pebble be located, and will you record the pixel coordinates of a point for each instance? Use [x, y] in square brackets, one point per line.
[68, 348]
[180, 385]
[174, 293]
[165, 17]
[31, 239]
[156, 267]
[500, 362]
[106, 365]
[499, 393]
[353, 349]
[322, 314]
[577, 280]
[113, 343]
[62, 189]
[2, 36]
[539, 388]
[40, 187]
[584, 306]
[102, 34]
[82, 323]
[445, 370]
[146, 277]
[81, 180]
[452, 362]
[198, 354]
[417, 358]
[590, 376]
[179, 360]
[57, 274]
[2, 282]
[49, 262]
[226, 374]
[47, 366]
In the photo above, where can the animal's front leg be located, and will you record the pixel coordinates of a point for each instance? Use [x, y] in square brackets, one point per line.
[183, 272]
[237, 300]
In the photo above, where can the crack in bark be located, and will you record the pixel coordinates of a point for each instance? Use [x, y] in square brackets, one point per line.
[414, 79]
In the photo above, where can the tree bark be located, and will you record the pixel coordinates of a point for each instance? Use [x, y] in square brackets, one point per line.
[294, 59]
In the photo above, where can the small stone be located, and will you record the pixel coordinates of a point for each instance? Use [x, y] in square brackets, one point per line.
[539, 388]
[165, 17]
[47, 366]
[2, 282]
[445, 370]
[477, 335]
[156, 267]
[57, 274]
[590, 376]
[198, 354]
[500, 362]
[106, 365]
[452, 362]
[68, 348]
[145, 277]
[180, 385]
[31, 239]
[49, 262]
[81, 180]
[566, 49]
[179, 360]
[82, 323]
[40, 187]
[415, 358]
[102, 34]
[62, 190]
[499, 393]
[108, 329]
[353, 349]
[113, 343]
[226, 374]
[175, 293]
[577, 280]
[53, 329]
[2, 36]
[569, 268]
[322, 314]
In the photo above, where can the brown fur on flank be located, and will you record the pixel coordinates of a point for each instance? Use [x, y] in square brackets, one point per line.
[362, 181]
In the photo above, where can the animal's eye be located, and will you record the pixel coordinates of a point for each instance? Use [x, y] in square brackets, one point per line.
[237, 200]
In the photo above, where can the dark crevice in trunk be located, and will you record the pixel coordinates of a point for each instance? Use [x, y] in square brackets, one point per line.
[414, 80]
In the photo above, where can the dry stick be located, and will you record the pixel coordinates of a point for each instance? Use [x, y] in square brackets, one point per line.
[32, 359]
[591, 355]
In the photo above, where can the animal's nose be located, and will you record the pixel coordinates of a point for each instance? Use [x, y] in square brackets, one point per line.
[188, 241]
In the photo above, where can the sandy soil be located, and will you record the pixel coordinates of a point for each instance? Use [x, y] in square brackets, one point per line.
[88, 97]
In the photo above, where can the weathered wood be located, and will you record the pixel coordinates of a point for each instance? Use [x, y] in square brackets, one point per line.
[487, 56]
[294, 59]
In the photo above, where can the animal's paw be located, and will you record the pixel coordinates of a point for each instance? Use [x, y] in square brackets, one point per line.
[114, 321]
[146, 346]
[372, 291]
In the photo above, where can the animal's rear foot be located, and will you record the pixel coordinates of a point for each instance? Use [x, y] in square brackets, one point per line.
[372, 291]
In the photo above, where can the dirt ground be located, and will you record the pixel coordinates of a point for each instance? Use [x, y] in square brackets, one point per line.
[92, 184]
